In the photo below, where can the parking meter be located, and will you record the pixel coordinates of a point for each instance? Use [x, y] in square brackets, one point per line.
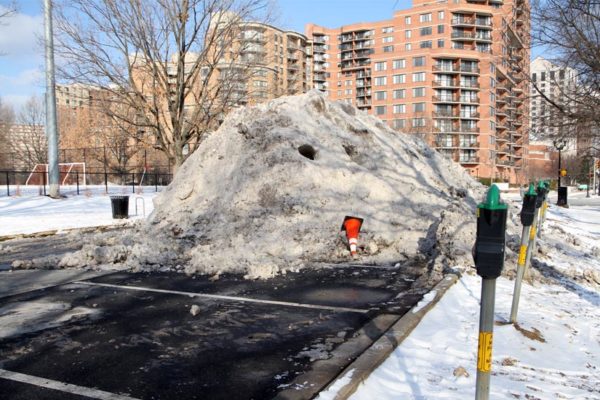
[491, 238]
[529, 206]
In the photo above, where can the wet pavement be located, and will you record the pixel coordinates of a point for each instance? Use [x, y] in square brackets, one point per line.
[134, 334]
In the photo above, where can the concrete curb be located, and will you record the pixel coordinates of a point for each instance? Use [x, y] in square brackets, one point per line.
[87, 229]
[368, 361]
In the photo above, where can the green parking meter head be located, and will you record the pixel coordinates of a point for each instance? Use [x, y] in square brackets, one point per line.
[541, 194]
[492, 200]
[529, 204]
[491, 235]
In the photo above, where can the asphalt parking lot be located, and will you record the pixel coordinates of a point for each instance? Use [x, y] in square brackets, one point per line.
[170, 336]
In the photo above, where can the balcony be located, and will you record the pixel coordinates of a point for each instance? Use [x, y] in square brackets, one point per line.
[445, 144]
[445, 114]
[365, 103]
[463, 35]
[363, 93]
[319, 77]
[347, 38]
[482, 37]
[319, 39]
[445, 68]
[445, 99]
[469, 129]
[468, 160]
[469, 115]
[469, 85]
[469, 100]
[446, 84]
[319, 49]
[469, 69]
[463, 21]
[483, 22]
[468, 144]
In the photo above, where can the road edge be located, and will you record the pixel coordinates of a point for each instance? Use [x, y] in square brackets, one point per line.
[360, 369]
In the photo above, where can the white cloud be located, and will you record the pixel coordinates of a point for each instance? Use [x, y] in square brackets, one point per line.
[19, 36]
[28, 77]
[17, 101]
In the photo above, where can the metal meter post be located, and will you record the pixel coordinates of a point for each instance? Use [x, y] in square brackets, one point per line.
[527, 219]
[488, 254]
[543, 190]
[537, 219]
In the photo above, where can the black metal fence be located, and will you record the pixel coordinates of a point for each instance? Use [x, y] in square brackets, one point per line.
[76, 182]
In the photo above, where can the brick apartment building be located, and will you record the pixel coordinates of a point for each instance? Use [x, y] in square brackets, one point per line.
[452, 71]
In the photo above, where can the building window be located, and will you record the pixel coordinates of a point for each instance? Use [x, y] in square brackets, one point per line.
[418, 107]
[381, 95]
[440, 29]
[418, 92]
[441, 43]
[348, 82]
[425, 31]
[427, 44]
[399, 78]
[381, 66]
[398, 64]
[543, 78]
[380, 81]
[419, 61]
[348, 91]
[418, 122]
[534, 77]
[398, 124]
[387, 29]
[425, 17]
[399, 108]
[407, 20]
[407, 34]
[408, 47]
[388, 39]
[440, 15]
[388, 49]
[380, 110]
[418, 77]
[399, 94]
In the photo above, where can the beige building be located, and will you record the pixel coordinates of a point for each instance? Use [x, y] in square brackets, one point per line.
[453, 72]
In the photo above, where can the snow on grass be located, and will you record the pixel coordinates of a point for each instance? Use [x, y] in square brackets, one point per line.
[34, 213]
[552, 353]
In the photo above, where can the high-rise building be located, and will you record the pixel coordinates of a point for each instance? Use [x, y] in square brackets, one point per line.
[451, 71]
[557, 85]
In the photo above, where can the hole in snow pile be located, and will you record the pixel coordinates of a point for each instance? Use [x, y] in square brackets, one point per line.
[306, 150]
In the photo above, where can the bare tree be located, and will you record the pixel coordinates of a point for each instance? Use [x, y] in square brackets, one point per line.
[569, 30]
[28, 143]
[7, 117]
[172, 67]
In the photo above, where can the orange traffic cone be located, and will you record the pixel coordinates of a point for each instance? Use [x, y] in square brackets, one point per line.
[352, 227]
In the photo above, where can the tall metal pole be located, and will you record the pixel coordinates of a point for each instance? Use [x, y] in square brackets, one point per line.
[486, 333]
[559, 166]
[51, 129]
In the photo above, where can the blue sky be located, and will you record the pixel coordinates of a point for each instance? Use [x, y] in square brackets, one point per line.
[21, 69]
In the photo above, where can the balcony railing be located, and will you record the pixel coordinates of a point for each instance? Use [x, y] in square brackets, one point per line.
[445, 83]
[469, 69]
[445, 114]
[473, 85]
[470, 100]
[469, 129]
[444, 68]
[463, 21]
[469, 145]
[469, 115]
[463, 35]
[445, 99]
[468, 160]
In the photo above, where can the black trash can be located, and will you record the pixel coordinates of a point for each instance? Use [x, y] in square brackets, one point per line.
[562, 196]
[120, 206]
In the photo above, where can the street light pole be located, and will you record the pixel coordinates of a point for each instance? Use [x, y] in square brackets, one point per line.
[51, 129]
[562, 192]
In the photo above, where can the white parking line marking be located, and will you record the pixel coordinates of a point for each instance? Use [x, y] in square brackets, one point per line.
[62, 387]
[230, 298]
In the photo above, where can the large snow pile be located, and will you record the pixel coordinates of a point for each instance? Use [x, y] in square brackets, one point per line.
[269, 190]
[271, 187]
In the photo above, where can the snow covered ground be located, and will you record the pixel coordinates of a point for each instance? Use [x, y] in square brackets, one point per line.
[31, 213]
[553, 353]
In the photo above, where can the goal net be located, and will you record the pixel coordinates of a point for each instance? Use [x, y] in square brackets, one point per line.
[69, 173]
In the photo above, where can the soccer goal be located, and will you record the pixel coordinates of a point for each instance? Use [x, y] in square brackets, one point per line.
[68, 174]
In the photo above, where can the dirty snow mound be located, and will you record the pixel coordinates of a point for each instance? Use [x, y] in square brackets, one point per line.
[271, 187]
